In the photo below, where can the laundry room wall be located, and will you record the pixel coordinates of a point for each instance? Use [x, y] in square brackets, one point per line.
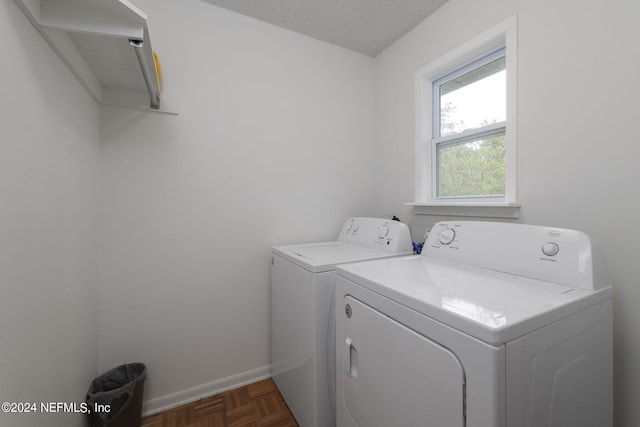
[273, 145]
[578, 90]
[48, 227]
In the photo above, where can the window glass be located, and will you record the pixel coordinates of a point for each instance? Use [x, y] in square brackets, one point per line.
[473, 168]
[474, 99]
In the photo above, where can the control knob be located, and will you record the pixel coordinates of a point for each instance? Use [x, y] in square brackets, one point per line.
[447, 235]
[383, 232]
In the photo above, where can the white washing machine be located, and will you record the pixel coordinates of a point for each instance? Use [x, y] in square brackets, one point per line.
[494, 325]
[302, 321]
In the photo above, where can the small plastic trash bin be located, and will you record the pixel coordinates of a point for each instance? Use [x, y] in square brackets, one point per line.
[115, 397]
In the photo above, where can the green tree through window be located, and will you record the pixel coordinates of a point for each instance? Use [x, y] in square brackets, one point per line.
[472, 168]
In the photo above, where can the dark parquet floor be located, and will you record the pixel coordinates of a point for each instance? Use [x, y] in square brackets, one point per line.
[256, 405]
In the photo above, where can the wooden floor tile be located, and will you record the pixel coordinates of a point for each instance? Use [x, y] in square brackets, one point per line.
[262, 387]
[242, 415]
[236, 398]
[215, 421]
[208, 406]
[268, 405]
[257, 405]
[153, 421]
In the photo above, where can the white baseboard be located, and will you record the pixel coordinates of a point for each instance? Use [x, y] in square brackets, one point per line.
[192, 394]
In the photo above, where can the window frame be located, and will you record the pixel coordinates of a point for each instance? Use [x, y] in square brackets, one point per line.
[467, 135]
[498, 37]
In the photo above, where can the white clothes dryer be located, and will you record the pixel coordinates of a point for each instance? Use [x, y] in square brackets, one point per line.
[494, 325]
[302, 320]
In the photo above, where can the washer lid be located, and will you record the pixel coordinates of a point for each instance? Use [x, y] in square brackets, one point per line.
[492, 306]
[319, 257]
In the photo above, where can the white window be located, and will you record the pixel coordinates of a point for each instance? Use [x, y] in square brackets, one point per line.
[466, 125]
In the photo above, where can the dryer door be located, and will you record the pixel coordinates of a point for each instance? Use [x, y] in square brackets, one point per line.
[392, 376]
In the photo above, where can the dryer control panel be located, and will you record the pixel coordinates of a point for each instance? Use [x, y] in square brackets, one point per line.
[555, 255]
[377, 233]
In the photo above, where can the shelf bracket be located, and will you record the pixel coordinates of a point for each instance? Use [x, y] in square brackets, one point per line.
[152, 84]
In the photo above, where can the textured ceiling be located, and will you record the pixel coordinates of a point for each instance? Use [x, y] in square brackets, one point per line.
[366, 26]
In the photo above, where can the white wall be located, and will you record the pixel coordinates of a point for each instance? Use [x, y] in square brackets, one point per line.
[48, 227]
[577, 142]
[272, 146]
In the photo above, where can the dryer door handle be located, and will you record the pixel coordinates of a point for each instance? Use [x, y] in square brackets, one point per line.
[352, 359]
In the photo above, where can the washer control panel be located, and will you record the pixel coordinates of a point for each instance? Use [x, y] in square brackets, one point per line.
[377, 233]
[552, 254]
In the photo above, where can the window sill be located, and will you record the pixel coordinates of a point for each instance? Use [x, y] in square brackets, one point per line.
[484, 210]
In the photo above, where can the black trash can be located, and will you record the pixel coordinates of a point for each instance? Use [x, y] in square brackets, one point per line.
[115, 397]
